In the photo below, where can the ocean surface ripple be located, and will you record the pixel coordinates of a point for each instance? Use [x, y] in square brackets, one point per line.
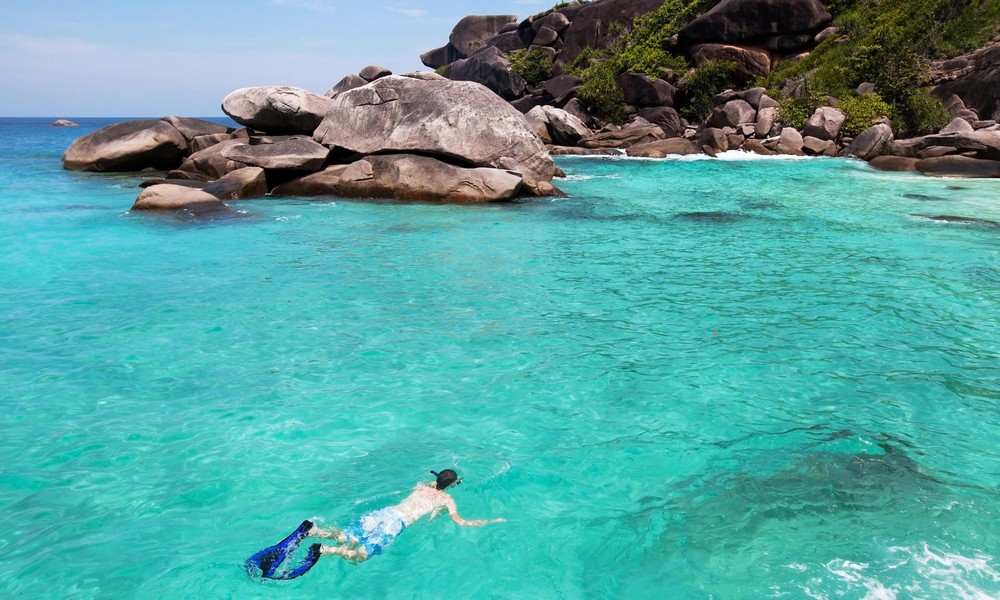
[689, 379]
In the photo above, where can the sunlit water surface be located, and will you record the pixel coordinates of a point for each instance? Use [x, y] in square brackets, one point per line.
[688, 379]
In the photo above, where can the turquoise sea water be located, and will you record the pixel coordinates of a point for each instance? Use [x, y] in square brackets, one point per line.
[689, 379]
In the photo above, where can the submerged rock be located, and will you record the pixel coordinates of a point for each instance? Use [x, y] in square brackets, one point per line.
[894, 163]
[176, 197]
[956, 220]
[958, 166]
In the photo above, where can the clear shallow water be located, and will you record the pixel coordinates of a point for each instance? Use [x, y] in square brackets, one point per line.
[694, 379]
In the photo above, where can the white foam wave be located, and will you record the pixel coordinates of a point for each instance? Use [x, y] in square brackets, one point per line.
[854, 573]
[591, 177]
[728, 156]
[911, 572]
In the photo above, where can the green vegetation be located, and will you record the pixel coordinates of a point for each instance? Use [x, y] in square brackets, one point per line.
[637, 50]
[888, 43]
[534, 65]
[705, 82]
[861, 111]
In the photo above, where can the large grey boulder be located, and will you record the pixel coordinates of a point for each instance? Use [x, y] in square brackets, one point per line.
[753, 21]
[985, 144]
[458, 120]
[194, 128]
[210, 164]
[958, 125]
[505, 42]
[249, 182]
[564, 128]
[898, 164]
[643, 91]
[814, 146]
[733, 114]
[349, 82]
[591, 23]
[491, 68]
[666, 117]
[469, 35]
[664, 148]
[790, 142]
[767, 117]
[277, 109]
[373, 72]
[870, 143]
[562, 89]
[750, 62]
[128, 146]
[958, 166]
[978, 82]
[296, 153]
[204, 142]
[407, 177]
[825, 123]
[624, 138]
[539, 123]
[177, 197]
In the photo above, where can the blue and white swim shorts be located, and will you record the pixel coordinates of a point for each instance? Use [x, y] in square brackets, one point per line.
[376, 530]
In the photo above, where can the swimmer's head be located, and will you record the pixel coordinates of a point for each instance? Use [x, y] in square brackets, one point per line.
[446, 478]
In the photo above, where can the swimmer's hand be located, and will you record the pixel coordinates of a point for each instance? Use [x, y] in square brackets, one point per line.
[498, 521]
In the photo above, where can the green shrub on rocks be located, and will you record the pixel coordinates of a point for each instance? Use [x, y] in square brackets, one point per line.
[705, 82]
[534, 65]
[639, 49]
[795, 112]
[600, 92]
[863, 112]
[889, 43]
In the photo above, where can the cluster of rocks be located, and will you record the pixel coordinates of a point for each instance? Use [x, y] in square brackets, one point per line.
[416, 137]
[967, 147]
[481, 133]
[753, 34]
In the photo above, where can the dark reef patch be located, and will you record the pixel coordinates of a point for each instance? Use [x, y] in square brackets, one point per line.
[958, 220]
[710, 217]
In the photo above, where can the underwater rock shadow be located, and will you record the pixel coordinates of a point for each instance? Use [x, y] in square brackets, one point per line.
[960, 221]
[711, 217]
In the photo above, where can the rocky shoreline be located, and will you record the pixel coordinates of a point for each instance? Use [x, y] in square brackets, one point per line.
[478, 131]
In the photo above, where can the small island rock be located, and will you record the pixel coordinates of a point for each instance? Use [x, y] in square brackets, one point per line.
[128, 146]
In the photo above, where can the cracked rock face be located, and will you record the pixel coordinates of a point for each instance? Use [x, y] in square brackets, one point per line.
[408, 177]
[278, 110]
[460, 121]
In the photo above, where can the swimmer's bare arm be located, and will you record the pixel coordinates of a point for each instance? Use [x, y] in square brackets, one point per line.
[453, 513]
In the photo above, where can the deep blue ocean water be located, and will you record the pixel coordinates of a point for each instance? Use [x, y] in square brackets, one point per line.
[689, 379]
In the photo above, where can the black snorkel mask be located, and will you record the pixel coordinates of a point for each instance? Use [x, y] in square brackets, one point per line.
[457, 480]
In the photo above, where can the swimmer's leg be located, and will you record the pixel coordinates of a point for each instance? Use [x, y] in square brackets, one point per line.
[355, 555]
[331, 534]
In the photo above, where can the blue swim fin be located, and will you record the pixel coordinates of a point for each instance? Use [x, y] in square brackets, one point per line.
[268, 563]
[307, 563]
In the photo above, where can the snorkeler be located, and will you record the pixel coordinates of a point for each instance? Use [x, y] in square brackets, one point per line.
[371, 533]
